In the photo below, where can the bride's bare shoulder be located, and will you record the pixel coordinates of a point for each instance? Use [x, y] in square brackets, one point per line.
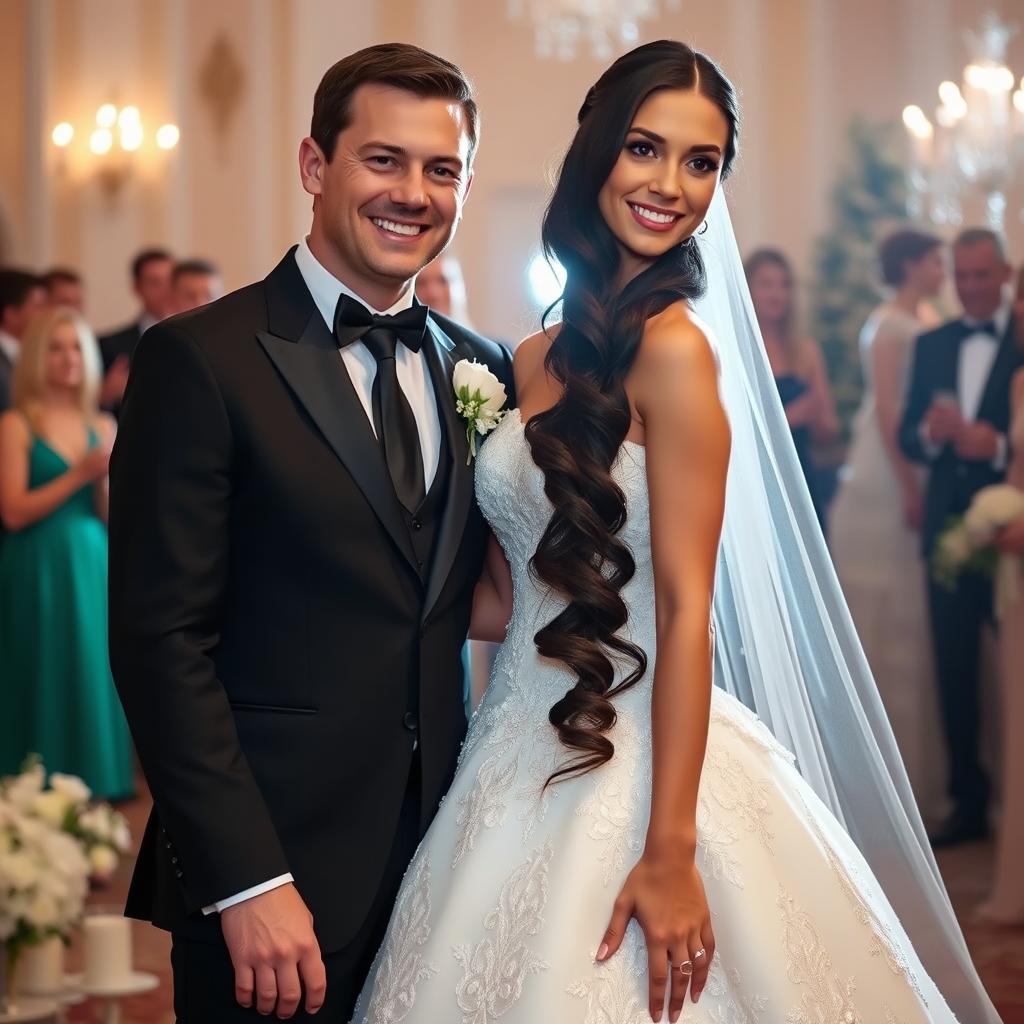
[676, 338]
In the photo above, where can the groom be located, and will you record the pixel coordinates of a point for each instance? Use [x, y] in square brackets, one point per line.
[956, 419]
[294, 547]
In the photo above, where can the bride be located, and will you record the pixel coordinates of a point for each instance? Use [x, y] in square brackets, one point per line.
[623, 837]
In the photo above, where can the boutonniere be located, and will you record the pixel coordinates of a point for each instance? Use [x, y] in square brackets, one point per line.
[479, 398]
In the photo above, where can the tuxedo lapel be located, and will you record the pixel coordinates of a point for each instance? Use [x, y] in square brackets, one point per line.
[306, 355]
[441, 356]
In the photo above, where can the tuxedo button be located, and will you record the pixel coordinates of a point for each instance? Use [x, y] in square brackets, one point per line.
[417, 525]
[179, 873]
[170, 846]
[410, 721]
[174, 860]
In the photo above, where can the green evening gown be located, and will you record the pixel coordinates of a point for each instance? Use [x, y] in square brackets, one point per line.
[56, 691]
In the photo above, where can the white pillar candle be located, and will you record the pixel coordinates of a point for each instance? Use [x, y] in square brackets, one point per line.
[41, 968]
[108, 951]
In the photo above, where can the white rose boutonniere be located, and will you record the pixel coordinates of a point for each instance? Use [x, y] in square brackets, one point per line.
[479, 400]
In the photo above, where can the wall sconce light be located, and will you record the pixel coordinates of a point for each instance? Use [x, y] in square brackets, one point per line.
[116, 144]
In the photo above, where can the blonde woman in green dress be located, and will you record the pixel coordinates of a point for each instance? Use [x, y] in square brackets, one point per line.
[57, 690]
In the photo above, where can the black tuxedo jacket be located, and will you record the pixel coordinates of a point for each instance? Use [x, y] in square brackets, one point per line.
[6, 377]
[267, 620]
[118, 343]
[953, 481]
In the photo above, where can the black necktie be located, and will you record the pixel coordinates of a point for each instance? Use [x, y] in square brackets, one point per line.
[393, 417]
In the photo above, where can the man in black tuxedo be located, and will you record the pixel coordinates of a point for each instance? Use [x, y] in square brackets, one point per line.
[22, 296]
[956, 419]
[294, 549]
[151, 282]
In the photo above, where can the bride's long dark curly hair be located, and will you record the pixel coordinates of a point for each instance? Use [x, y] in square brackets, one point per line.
[576, 440]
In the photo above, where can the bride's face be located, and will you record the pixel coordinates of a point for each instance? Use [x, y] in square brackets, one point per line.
[665, 177]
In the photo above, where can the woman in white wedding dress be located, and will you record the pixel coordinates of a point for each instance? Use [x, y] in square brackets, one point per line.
[876, 519]
[622, 837]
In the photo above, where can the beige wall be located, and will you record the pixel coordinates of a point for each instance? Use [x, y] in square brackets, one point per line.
[803, 67]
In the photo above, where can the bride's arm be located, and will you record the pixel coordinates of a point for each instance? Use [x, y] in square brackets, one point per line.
[492, 598]
[688, 442]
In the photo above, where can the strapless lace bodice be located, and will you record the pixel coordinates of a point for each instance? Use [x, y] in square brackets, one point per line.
[510, 491]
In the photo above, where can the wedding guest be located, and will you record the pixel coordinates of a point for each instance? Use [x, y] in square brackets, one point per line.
[195, 283]
[58, 695]
[796, 362]
[876, 520]
[64, 288]
[151, 282]
[955, 423]
[441, 286]
[22, 295]
[1005, 903]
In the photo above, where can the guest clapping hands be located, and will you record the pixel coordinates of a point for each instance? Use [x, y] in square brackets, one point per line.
[58, 695]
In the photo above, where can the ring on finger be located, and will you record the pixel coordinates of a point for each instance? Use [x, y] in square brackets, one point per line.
[686, 967]
[699, 954]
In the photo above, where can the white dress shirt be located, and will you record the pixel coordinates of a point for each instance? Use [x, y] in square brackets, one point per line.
[412, 370]
[9, 346]
[977, 356]
[414, 380]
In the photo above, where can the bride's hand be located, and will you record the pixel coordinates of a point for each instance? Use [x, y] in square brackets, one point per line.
[666, 896]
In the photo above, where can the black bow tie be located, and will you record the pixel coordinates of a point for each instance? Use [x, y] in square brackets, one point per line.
[989, 327]
[352, 320]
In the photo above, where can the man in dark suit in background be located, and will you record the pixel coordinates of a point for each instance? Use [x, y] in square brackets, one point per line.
[955, 422]
[195, 283]
[22, 295]
[151, 282]
[294, 547]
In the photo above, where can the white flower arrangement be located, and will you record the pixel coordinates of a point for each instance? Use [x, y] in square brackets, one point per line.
[479, 400]
[967, 543]
[52, 843]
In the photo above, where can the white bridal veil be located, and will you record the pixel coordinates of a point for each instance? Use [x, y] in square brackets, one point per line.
[787, 647]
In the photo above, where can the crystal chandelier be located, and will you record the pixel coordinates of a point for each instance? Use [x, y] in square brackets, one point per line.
[976, 141]
[605, 26]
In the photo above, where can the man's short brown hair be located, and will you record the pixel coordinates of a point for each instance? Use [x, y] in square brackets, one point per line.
[399, 65]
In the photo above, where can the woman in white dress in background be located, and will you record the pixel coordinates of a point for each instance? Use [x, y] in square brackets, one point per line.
[1005, 904]
[877, 515]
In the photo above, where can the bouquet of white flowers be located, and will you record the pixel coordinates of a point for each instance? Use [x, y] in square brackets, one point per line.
[44, 873]
[52, 842]
[967, 543]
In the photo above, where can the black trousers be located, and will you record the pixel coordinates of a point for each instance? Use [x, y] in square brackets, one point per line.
[204, 978]
[957, 619]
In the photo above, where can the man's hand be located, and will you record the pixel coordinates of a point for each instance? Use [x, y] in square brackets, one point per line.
[943, 422]
[114, 382]
[977, 441]
[275, 953]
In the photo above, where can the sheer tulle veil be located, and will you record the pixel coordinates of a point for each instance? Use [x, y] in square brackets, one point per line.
[787, 648]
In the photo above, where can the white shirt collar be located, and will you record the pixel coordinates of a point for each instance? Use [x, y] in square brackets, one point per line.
[145, 321]
[9, 346]
[1001, 318]
[326, 289]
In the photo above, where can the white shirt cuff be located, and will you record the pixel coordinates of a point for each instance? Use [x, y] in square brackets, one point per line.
[931, 449]
[257, 890]
[1000, 461]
